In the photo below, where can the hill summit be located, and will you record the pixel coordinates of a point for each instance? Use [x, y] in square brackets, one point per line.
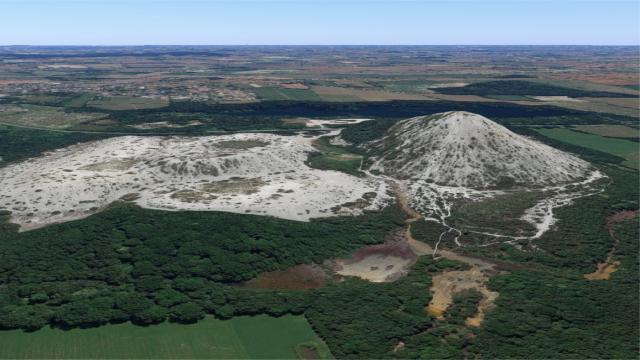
[468, 150]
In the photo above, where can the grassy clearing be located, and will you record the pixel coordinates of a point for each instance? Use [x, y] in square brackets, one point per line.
[343, 94]
[46, 117]
[420, 86]
[619, 147]
[500, 214]
[332, 157]
[128, 103]
[241, 337]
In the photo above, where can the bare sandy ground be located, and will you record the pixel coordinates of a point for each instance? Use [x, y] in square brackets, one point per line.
[366, 94]
[556, 98]
[164, 124]
[375, 268]
[321, 123]
[447, 284]
[446, 85]
[463, 149]
[255, 173]
[62, 66]
[378, 263]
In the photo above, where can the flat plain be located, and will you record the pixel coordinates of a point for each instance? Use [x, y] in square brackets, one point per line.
[241, 337]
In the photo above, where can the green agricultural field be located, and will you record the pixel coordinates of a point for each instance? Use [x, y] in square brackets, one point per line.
[128, 103]
[51, 117]
[620, 147]
[408, 85]
[340, 98]
[618, 131]
[275, 93]
[79, 100]
[262, 337]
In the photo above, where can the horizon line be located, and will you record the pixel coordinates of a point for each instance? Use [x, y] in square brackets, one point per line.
[160, 44]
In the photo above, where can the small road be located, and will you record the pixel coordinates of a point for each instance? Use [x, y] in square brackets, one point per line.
[421, 248]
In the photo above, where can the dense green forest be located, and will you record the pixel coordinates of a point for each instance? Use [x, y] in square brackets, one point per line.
[522, 87]
[268, 115]
[546, 313]
[19, 143]
[128, 263]
[558, 314]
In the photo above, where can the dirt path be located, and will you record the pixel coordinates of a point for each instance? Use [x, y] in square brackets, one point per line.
[422, 248]
[446, 284]
[608, 266]
[404, 204]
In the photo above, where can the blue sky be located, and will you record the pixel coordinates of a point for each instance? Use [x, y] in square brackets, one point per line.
[430, 22]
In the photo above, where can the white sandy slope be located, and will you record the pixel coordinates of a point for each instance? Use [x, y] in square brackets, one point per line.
[468, 150]
[267, 177]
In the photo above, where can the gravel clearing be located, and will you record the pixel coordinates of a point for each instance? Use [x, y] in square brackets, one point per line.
[261, 173]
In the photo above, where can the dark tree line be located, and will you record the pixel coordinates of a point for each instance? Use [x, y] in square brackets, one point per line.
[523, 87]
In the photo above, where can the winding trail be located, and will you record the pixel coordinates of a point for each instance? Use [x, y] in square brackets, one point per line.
[446, 284]
[422, 248]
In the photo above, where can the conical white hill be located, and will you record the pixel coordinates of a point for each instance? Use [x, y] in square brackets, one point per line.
[469, 150]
